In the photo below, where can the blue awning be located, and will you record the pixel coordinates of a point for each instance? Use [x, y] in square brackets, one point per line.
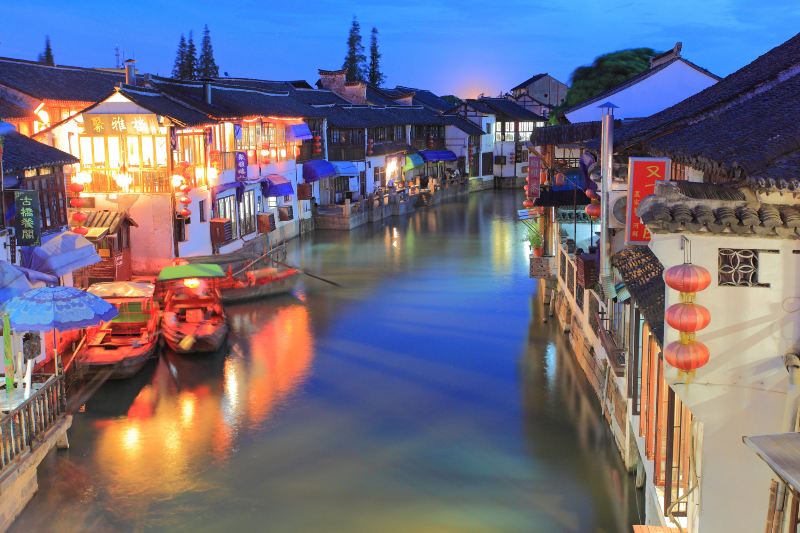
[298, 132]
[276, 185]
[431, 156]
[238, 185]
[345, 168]
[317, 169]
[61, 254]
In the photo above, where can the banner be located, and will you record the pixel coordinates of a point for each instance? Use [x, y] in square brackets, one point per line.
[241, 166]
[28, 222]
[534, 170]
[643, 173]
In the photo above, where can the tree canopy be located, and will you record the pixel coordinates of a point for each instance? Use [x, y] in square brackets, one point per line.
[376, 77]
[46, 57]
[207, 65]
[179, 67]
[606, 72]
[355, 60]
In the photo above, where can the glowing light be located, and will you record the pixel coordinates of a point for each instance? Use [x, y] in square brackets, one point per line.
[213, 175]
[191, 283]
[123, 181]
[391, 168]
[283, 152]
[82, 177]
[130, 438]
[273, 152]
[188, 402]
[177, 180]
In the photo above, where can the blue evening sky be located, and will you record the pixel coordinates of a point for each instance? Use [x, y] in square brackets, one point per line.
[463, 47]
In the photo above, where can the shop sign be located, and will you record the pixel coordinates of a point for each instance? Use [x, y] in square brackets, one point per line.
[643, 173]
[120, 124]
[534, 170]
[28, 222]
[241, 166]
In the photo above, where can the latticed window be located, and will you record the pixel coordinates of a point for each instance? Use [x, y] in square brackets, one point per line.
[739, 267]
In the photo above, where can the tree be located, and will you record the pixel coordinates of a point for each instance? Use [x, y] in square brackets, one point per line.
[207, 66]
[46, 57]
[180, 59]
[355, 60]
[376, 77]
[607, 71]
[190, 63]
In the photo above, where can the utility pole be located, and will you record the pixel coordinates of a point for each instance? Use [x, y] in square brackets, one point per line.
[607, 173]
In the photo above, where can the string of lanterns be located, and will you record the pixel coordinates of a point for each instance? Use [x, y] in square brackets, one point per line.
[79, 217]
[317, 144]
[370, 146]
[687, 354]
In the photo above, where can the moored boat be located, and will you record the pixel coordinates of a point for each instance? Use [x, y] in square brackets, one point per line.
[193, 320]
[121, 346]
[260, 283]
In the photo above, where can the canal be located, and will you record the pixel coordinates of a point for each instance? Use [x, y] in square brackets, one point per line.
[427, 394]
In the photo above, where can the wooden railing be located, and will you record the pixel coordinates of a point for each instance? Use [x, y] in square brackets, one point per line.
[21, 428]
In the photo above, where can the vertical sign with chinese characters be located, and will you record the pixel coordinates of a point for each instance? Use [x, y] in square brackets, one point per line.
[28, 222]
[534, 169]
[643, 173]
[241, 166]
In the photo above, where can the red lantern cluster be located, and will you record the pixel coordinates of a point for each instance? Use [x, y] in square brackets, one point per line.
[317, 144]
[593, 210]
[370, 146]
[77, 202]
[185, 212]
[687, 354]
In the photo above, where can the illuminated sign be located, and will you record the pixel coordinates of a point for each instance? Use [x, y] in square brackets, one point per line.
[643, 173]
[119, 124]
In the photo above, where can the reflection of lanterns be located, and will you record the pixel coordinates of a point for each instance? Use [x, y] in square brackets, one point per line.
[185, 212]
[79, 217]
[283, 153]
[76, 187]
[593, 210]
[177, 180]
[687, 354]
[76, 202]
[80, 230]
[123, 180]
[185, 200]
[191, 283]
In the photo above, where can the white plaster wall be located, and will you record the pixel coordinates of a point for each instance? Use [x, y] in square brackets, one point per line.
[741, 391]
[663, 89]
[198, 234]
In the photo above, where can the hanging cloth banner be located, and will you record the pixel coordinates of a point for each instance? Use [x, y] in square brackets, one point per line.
[643, 173]
[28, 222]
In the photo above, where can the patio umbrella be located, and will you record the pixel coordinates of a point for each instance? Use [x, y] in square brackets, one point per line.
[13, 281]
[58, 309]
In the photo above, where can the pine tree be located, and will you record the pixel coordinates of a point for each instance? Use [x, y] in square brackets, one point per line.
[46, 57]
[180, 59]
[207, 66]
[355, 60]
[190, 63]
[376, 77]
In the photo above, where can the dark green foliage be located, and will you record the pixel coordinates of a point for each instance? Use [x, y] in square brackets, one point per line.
[46, 57]
[606, 72]
[207, 65]
[190, 63]
[355, 60]
[180, 59]
[376, 77]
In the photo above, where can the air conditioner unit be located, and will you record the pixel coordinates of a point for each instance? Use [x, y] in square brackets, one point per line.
[618, 200]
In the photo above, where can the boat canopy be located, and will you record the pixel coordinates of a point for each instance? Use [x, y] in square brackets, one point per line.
[122, 289]
[197, 270]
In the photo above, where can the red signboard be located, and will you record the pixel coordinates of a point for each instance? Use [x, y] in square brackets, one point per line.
[643, 173]
[534, 169]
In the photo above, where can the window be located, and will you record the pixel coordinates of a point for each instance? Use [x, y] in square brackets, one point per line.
[202, 208]
[247, 212]
[341, 184]
[739, 268]
[380, 175]
[272, 202]
[489, 128]
[50, 185]
[226, 208]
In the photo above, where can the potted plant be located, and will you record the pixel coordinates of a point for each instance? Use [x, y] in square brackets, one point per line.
[534, 238]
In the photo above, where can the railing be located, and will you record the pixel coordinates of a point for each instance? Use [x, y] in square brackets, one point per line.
[567, 162]
[147, 180]
[422, 144]
[306, 152]
[345, 152]
[21, 428]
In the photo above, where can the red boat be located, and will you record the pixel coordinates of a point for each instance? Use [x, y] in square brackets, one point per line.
[123, 345]
[259, 283]
[193, 319]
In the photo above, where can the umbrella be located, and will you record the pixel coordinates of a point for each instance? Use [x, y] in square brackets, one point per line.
[58, 308]
[13, 281]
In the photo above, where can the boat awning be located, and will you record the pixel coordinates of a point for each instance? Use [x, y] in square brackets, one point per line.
[345, 168]
[317, 169]
[276, 185]
[781, 452]
[61, 254]
[196, 270]
[413, 161]
[122, 289]
[432, 156]
[298, 132]
[219, 189]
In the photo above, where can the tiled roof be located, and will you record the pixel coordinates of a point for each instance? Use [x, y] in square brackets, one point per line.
[480, 106]
[467, 126]
[428, 99]
[566, 133]
[160, 104]
[58, 83]
[106, 219]
[317, 97]
[530, 80]
[376, 96]
[354, 116]
[642, 274]
[506, 109]
[11, 110]
[21, 153]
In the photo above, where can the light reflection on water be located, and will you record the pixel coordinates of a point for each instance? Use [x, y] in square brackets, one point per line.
[426, 395]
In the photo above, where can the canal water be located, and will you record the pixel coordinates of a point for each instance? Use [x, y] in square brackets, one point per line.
[426, 395]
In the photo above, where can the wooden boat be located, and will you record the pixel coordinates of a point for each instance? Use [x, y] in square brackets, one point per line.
[260, 283]
[193, 319]
[121, 347]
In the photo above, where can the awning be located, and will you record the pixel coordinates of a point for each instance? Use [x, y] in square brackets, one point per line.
[13, 282]
[345, 168]
[298, 132]
[276, 185]
[413, 161]
[238, 185]
[61, 254]
[431, 156]
[197, 270]
[317, 169]
[781, 452]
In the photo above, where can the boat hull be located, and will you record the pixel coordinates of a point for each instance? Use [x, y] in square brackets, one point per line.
[119, 363]
[252, 292]
[208, 337]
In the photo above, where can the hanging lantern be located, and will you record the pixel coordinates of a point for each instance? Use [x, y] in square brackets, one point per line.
[79, 217]
[687, 317]
[185, 200]
[76, 187]
[686, 357]
[185, 188]
[593, 210]
[80, 230]
[177, 180]
[317, 144]
[560, 179]
[185, 212]
[370, 146]
[591, 194]
[76, 202]
[687, 278]
[528, 203]
[123, 181]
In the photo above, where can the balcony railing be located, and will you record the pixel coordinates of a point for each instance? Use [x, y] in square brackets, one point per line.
[567, 162]
[422, 144]
[21, 428]
[345, 152]
[147, 180]
[306, 153]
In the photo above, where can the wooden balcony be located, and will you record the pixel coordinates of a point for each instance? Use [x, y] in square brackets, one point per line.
[156, 180]
[346, 152]
[422, 144]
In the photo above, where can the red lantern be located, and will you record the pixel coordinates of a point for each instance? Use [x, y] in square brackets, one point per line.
[590, 194]
[76, 202]
[560, 179]
[185, 188]
[593, 210]
[76, 187]
[79, 217]
[687, 317]
[687, 278]
[185, 212]
[370, 146]
[80, 230]
[527, 204]
[185, 200]
[686, 357]
[539, 210]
